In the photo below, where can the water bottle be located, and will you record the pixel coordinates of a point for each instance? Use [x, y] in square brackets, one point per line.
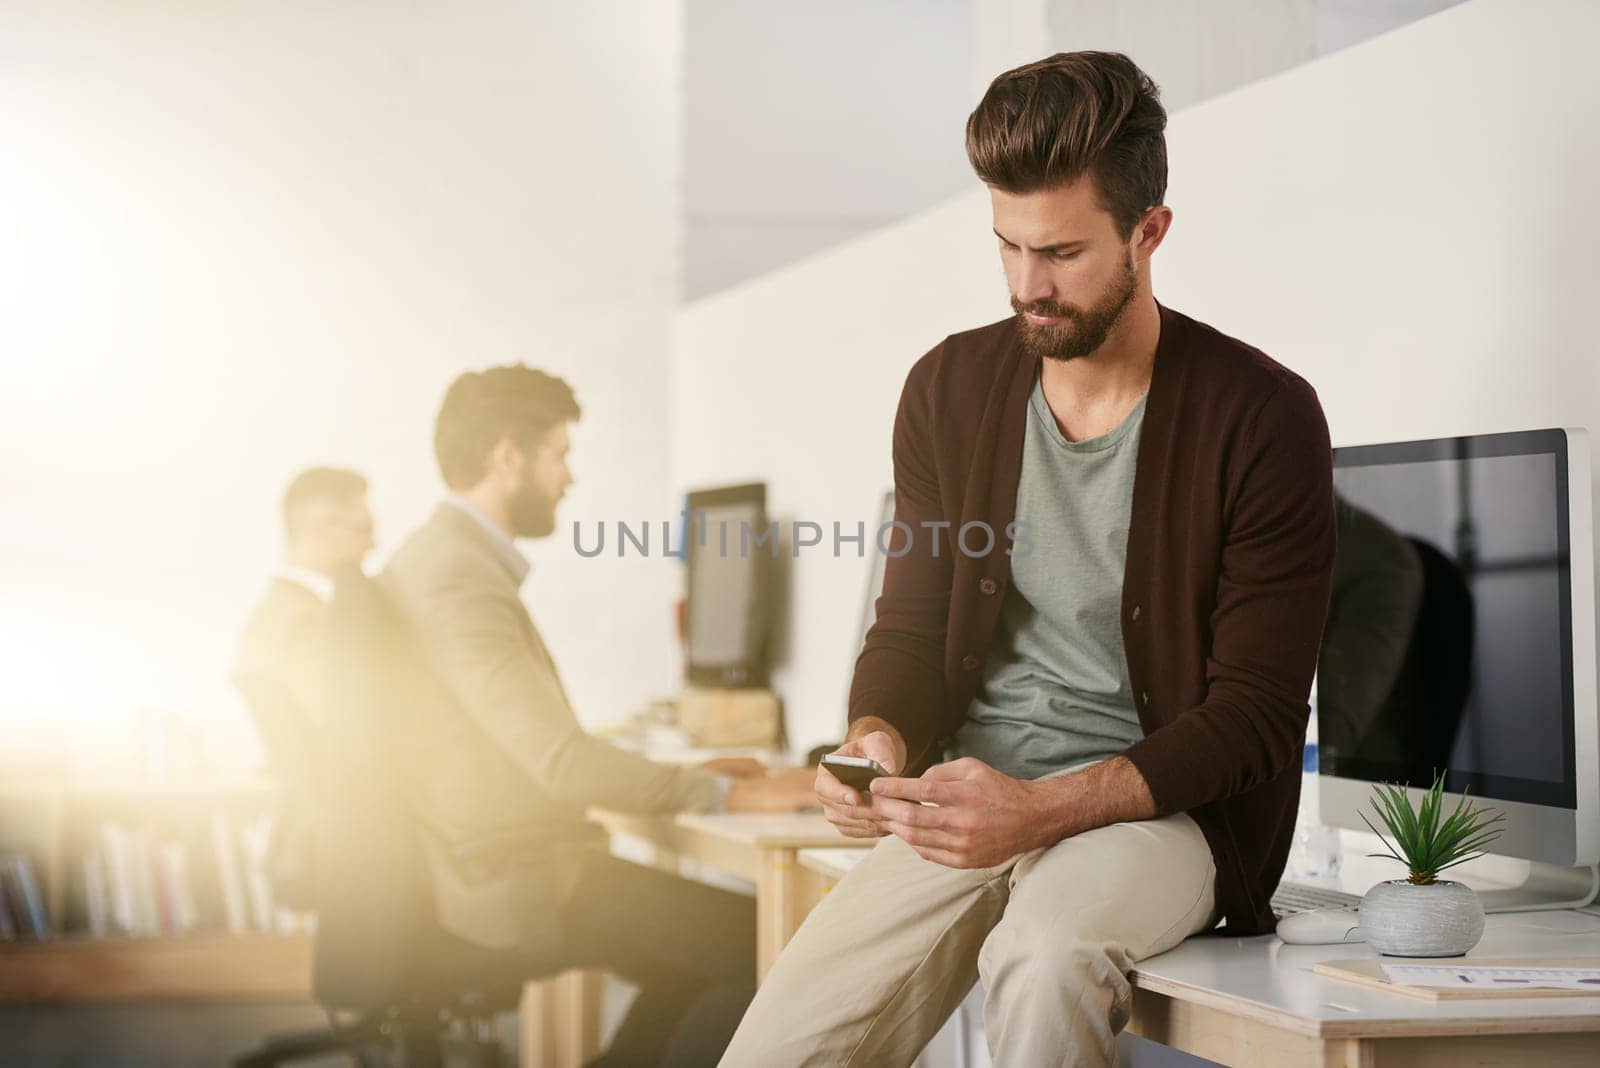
[1314, 854]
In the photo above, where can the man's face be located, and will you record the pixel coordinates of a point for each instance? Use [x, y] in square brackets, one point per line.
[1070, 273]
[542, 482]
[339, 532]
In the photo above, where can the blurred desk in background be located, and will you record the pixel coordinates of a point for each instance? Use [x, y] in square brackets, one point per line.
[761, 848]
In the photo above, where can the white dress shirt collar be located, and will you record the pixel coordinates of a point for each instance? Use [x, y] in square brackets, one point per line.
[315, 581]
[507, 549]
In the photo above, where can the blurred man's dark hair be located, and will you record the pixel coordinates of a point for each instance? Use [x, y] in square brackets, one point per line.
[482, 408]
[316, 485]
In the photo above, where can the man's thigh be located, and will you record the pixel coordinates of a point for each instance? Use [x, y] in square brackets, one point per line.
[1141, 887]
[876, 967]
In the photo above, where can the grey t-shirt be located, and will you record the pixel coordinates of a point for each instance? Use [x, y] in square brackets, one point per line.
[1055, 689]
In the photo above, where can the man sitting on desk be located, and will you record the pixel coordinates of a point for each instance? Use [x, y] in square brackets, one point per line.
[279, 669]
[1123, 686]
[508, 766]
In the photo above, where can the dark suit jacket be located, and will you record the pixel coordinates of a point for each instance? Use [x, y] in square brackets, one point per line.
[281, 672]
[1230, 549]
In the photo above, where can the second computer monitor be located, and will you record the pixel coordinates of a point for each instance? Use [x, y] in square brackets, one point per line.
[730, 549]
[1460, 635]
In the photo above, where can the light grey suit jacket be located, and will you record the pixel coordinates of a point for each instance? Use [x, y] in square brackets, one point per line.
[502, 774]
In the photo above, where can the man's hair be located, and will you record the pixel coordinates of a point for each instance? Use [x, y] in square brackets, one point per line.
[319, 484]
[1046, 124]
[483, 407]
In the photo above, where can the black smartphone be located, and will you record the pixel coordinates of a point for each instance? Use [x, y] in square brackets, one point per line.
[855, 772]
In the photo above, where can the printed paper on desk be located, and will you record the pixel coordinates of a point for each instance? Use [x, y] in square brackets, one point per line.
[1471, 977]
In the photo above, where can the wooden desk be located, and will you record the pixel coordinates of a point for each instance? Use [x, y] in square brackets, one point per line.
[200, 967]
[761, 848]
[829, 864]
[1255, 1002]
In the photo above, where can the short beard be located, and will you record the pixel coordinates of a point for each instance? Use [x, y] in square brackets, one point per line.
[1080, 332]
[530, 513]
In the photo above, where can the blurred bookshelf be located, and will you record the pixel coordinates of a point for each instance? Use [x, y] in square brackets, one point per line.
[144, 890]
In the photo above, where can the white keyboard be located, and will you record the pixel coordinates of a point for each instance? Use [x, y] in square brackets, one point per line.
[1291, 898]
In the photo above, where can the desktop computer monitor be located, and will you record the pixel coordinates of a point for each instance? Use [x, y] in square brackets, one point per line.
[729, 550]
[1461, 639]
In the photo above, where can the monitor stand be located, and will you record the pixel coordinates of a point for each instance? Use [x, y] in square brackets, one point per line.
[1547, 887]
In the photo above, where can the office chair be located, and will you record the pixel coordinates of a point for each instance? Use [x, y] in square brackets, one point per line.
[287, 735]
[379, 953]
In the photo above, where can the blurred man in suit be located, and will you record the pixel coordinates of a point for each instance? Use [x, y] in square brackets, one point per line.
[505, 773]
[327, 526]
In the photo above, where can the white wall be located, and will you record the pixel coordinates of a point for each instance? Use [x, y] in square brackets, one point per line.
[241, 238]
[1196, 49]
[1409, 223]
[793, 380]
[807, 124]
[810, 124]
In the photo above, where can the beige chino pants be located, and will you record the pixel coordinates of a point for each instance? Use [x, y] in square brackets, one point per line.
[878, 966]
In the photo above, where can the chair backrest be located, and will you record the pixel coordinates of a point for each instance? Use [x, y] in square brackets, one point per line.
[374, 911]
[285, 728]
[293, 748]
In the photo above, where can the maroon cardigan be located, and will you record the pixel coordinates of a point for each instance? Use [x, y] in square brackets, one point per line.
[1230, 553]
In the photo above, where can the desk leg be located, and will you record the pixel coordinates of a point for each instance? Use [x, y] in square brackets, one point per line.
[785, 892]
[1238, 1041]
[667, 860]
[1348, 1053]
[559, 1020]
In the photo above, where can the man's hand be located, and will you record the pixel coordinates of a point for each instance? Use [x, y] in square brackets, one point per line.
[983, 817]
[736, 767]
[782, 791]
[845, 808]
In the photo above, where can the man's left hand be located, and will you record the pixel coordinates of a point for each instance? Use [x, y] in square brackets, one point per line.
[983, 817]
[736, 767]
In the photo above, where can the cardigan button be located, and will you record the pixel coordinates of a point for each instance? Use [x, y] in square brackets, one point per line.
[1145, 697]
[970, 662]
[1136, 613]
[988, 586]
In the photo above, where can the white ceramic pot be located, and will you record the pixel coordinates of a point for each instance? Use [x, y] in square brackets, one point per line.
[1402, 919]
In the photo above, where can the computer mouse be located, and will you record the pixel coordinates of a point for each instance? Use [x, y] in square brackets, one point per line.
[1322, 927]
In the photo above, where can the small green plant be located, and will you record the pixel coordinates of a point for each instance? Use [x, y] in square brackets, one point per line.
[1422, 842]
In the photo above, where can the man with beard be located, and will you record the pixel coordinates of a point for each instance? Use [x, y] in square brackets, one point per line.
[1106, 712]
[504, 772]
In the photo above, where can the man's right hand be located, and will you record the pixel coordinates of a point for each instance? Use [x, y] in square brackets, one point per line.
[782, 791]
[845, 808]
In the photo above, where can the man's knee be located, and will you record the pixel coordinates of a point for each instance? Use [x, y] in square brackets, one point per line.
[1067, 971]
[1066, 1000]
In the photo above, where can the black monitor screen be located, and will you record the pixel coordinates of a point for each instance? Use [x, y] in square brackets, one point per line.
[728, 544]
[1449, 638]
